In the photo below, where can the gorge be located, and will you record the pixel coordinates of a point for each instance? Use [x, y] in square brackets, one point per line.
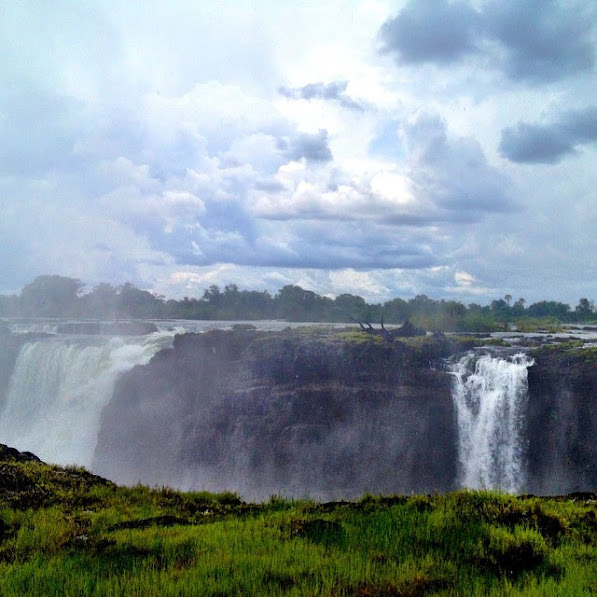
[311, 412]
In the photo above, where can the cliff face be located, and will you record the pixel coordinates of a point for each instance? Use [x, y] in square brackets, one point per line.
[299, 413]
[313, 413]
[562, 421]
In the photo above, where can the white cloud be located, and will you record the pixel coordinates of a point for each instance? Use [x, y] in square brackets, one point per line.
[354, 282]
[464, 278]
[151, 143]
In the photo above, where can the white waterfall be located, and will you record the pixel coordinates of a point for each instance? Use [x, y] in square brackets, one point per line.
[490, 394]
[59, 387]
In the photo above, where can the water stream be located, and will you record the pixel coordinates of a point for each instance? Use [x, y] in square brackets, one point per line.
[490, 393]
[59, 387]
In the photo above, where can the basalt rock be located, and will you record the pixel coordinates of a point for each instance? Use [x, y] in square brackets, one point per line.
[299, 413]
[8, 454]
[561, 424]
[331, 415]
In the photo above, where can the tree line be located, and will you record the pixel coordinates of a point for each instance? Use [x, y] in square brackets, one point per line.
[59, 297]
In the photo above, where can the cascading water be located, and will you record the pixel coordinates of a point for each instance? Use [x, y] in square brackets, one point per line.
[490, 394]
[59, 387]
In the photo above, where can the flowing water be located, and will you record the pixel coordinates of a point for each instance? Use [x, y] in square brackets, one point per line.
[490, 394]
[61, 383]
[59, 387]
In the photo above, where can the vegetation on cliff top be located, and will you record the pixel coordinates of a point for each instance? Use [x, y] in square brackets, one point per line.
[58, 296]
[68, 532]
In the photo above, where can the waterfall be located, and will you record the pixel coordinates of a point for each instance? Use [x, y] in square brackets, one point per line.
[490, 395]
[59, 387]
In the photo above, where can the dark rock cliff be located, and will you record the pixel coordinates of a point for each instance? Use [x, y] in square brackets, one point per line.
[328, 414]
[561, 425]
[299, 413]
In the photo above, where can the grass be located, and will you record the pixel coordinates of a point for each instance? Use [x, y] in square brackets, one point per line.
[66, 532]
[538, 324]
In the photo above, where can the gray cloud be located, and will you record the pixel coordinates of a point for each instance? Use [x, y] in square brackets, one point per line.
[313, 147]
[528, 40]
[445, 180]
[581, 125]
[453, 171]
[338, 244]
[333, 91]
[549, 143]
[544, 40]
[431, 31]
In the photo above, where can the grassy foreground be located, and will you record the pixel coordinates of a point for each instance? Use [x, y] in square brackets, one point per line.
[66, 532]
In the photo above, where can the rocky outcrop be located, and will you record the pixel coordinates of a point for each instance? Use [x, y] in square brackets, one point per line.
[294, 413]
[8, 454]
[26, 482]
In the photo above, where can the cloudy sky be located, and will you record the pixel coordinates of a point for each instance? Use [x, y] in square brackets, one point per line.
[376, 147]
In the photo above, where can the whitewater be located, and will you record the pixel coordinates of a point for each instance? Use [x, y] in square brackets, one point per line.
[490, 394]
[59, 387]
[61, 382]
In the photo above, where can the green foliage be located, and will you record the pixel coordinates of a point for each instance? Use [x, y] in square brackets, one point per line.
[358, 337]
[511, 552]
[559, 311]
[90, 537]
[585, 309]
[478, 324]
[538, 324]
[58, 296]
[51, 296]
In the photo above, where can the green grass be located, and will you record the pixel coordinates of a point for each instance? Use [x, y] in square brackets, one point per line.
[67, 533]
[538, 324]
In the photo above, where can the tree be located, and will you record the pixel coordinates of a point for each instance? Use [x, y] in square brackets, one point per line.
[555, 309]
[296, 304]
[475, 309]
[518, 307]
[134, 302]
[422, 304]
[213, 295]
[350, 305]
[454, 309]
[499, 307]
[101, 302]
[255, 305]
[584, 309]
[396, 311]
[51, 296]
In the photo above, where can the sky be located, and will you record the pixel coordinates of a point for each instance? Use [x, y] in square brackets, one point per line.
[379, 148]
